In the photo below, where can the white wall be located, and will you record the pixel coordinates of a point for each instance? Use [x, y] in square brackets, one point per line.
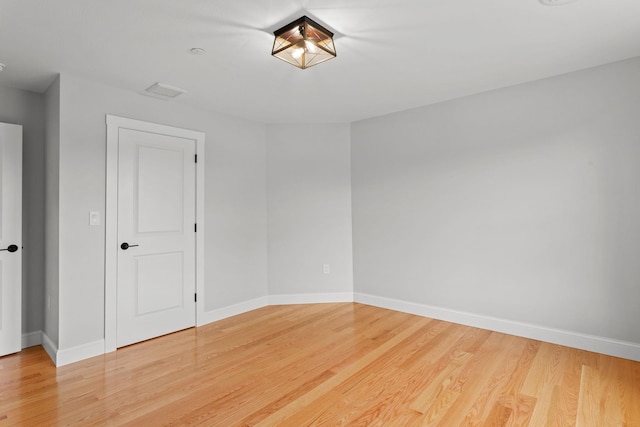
[236, 213]
[521, 203]
[309, 209]
[52, 214]
[235, 201]
[27, 109]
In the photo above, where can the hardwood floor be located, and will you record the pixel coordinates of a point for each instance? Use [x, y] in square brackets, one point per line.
[329, 365]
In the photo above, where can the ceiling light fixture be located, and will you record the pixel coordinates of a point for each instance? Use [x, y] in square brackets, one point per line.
[303, 43]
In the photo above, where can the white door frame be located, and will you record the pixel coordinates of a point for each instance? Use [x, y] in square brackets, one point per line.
[114, 124]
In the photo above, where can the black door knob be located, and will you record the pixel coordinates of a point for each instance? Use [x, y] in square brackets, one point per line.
[10, 248]
[126, 246]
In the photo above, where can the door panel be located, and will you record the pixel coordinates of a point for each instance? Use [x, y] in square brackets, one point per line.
[156, 216]
[159, 282]
[160, 195]
[10, 235]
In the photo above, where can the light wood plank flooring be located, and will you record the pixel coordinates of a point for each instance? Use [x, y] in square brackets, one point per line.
[325, 365]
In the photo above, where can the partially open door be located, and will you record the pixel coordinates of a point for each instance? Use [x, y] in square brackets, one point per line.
[10, 238]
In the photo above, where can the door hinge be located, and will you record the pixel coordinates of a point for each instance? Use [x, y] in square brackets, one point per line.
[196, 158]
[195, 227]
[195, 297]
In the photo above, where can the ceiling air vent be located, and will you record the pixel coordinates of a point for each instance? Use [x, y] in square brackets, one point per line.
[164, 91]
[555, 2]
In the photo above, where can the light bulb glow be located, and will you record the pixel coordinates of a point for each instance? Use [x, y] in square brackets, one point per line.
[310, 47]
[297, 53]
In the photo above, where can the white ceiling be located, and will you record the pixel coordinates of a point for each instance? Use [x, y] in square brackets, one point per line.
[392, 54]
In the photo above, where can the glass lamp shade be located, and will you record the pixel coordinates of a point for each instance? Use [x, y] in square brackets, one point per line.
[303, 43]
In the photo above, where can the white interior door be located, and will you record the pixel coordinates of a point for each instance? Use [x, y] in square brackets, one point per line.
[10, 238]
[156, 278]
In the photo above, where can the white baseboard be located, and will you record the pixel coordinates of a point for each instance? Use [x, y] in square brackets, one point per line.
[80, 352]
[49, 347]
[31, 339]
[231, 310]
[285, 299]
[612, 347]
[254, 304]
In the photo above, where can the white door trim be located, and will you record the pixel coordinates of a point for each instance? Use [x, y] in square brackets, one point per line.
[114, 123]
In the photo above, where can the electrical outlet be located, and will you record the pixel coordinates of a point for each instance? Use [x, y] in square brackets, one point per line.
[326, 269]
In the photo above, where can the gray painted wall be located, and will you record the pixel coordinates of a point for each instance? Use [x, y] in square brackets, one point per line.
[309, 209]
[520, 203]
[235, 201]
[236, 212]
[52, 212]
[27, 109]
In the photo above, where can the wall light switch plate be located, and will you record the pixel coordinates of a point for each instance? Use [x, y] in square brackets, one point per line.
[94, 218]
[326, 269]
